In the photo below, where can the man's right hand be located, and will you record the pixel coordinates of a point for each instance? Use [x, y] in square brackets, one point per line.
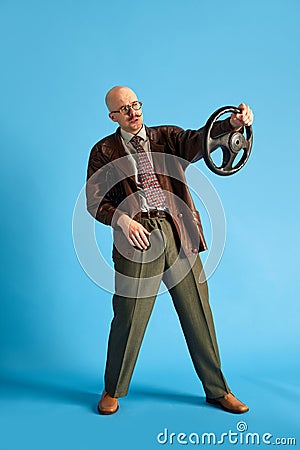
[136, 234]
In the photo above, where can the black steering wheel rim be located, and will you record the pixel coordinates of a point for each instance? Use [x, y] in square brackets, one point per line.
[231, 143]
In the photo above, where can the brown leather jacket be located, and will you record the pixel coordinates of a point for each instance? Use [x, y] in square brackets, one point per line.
[112, 191]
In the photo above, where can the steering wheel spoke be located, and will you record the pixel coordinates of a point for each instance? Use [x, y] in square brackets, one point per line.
[228, 159]
[220, 141]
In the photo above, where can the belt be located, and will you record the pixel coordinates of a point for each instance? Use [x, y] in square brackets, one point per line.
[152, 213]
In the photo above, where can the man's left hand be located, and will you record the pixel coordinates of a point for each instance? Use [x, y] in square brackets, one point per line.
[244, 118]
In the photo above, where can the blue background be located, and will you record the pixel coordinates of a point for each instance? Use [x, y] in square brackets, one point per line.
[184, 60]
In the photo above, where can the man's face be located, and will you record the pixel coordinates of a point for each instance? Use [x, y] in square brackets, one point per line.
[132, 121]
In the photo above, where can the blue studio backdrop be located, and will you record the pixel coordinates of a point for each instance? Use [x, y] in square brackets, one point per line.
[184, 60]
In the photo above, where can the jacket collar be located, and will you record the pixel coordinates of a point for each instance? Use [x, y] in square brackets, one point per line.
[115, 148]
[115, 151]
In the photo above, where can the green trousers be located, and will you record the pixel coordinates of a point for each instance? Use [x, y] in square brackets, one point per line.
[136, 285]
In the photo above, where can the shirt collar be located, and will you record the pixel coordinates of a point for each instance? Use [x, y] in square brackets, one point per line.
[128, 136]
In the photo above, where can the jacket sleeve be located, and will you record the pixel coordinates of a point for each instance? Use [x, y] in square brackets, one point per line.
[188, 144]
[101, 191]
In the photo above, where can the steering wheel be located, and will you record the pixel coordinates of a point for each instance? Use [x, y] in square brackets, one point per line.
[231, 143]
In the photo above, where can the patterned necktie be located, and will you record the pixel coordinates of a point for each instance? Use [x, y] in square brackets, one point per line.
[153, 191]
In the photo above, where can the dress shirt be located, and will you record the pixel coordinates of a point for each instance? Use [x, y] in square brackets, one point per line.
[132, 153]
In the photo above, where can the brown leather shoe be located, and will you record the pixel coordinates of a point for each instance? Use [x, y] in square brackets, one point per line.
[108, 404]
[229, 403]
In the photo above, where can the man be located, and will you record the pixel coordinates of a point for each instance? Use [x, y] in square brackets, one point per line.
[136, 184]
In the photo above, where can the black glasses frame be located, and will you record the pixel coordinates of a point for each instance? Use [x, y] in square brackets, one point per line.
[126, 108]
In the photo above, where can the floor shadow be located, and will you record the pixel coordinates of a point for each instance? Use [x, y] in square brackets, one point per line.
[63, 391]
[12, 388]
[164, 395]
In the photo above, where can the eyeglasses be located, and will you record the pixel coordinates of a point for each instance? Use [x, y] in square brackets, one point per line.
[125, 109]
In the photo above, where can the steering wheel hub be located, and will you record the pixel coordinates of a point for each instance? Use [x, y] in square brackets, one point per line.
[236, 142]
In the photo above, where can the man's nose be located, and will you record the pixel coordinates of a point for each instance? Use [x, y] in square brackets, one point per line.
[131, 112]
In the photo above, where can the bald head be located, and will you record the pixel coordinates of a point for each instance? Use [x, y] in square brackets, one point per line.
[130, 121]
[119, 96]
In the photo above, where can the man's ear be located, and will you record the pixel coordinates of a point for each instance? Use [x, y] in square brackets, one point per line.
[112, 117]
